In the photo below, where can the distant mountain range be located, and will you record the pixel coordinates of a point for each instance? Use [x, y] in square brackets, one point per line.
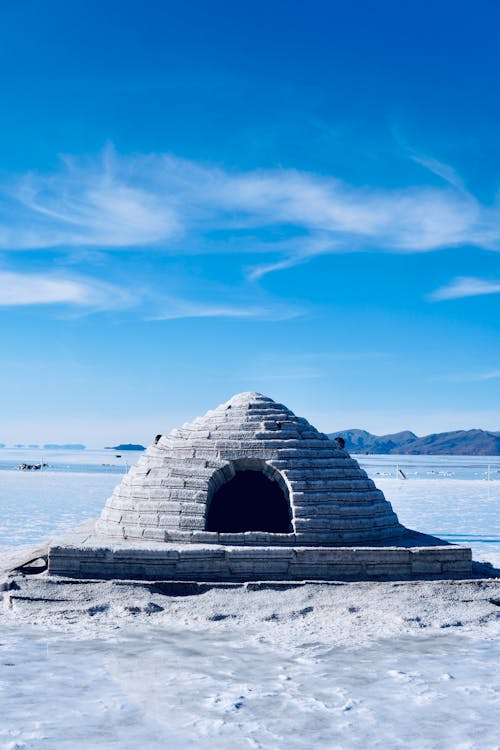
[458, 443]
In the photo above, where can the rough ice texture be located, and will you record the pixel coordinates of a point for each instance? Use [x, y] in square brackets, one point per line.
[166, 495]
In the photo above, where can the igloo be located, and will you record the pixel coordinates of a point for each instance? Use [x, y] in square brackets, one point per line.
[250, 491]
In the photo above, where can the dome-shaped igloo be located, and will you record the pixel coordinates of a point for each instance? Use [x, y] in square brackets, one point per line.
[248, 466]
[250, 492]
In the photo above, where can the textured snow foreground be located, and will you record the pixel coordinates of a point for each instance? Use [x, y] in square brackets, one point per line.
[338, 666]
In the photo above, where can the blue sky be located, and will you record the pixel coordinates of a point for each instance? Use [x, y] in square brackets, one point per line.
[203, 198]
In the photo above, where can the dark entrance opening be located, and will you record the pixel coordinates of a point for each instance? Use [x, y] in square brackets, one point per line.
[249, 502]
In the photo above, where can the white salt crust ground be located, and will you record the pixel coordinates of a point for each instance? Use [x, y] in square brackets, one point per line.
[379, 665]
[342, 613]
[383, 665]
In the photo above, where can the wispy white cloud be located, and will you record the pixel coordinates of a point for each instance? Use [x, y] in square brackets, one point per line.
[100, 203]
[19, 289]
[285, 365]
[296, 252]
[465, 286]
[258, 376]
[322, 357]
[181, 206]
[344, 356]
[447, 173]
[436, 167]
[83, 294]
[495, 375]
[175, 308]
[488, 375]
[470, 377]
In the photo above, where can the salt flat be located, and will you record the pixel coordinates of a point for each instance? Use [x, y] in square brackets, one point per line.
[384, 665]
[389, 665]
[37, 505]
[459, 510]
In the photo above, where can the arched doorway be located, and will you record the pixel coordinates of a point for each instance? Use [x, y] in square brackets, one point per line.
[250, 501]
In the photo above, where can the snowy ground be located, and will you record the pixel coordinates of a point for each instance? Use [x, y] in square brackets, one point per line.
[338, 668]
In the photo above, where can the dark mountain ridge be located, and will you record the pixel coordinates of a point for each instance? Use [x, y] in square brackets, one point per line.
[456, 443]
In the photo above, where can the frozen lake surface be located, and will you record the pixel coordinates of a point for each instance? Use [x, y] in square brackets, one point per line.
[135, 684]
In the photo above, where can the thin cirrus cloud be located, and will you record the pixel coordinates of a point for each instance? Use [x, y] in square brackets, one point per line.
[447, 173]
[465, 286]
[84, 205]
[495, 375]
[91, 295]
[480, 377]
[19, 289]
[304, 365]
[181, 206]
[175, 308]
